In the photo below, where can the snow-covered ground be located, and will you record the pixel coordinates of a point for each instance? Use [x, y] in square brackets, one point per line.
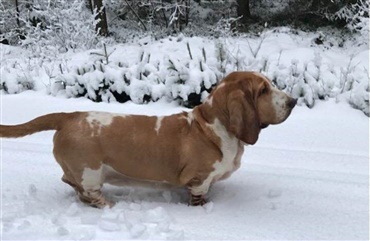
[306, 179]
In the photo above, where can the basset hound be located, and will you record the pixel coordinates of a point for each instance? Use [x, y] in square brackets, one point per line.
[190, 149]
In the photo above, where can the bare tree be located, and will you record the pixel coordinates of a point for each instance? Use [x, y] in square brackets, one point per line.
[243, 10]
[17, 13]
[101, 26]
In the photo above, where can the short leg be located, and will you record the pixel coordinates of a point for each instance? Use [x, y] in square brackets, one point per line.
[69, 182]
[197, 194]
[196, 200]
[94, 198]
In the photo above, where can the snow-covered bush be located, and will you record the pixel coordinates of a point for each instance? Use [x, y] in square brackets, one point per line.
[187, 82]
[359, 97]
[100, 82]
[190, 81]
[189, 78]
[15, 79]
[357, 92]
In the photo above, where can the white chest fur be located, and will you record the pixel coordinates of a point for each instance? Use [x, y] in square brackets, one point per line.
[232, 150]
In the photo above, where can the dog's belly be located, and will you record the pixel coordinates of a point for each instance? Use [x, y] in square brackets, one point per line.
[113, 177]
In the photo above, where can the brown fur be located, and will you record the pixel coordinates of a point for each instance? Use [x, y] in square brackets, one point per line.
[180, 150]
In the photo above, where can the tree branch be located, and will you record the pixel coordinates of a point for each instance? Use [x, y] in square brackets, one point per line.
[141, 21]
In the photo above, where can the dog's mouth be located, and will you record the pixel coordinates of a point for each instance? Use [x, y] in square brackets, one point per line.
[263, 126]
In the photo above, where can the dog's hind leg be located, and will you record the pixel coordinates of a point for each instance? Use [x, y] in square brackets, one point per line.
[72, 184]
[68, 177]
[94, 198]
[91, 184]
[87, 186]
[87, 182]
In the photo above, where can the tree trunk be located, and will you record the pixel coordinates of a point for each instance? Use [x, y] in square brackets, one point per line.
[243, 10]
[101, 18]
[17, 13]
[187, 12]
[182, 13]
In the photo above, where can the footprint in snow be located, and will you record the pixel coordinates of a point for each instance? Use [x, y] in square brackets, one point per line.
[274, 193]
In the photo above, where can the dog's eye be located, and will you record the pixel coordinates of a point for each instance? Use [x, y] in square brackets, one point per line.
[264, 90]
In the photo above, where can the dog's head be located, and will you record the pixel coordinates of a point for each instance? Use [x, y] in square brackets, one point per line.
[246, 102]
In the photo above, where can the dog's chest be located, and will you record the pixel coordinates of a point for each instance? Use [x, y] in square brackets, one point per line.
[230, 161]
[232, 150]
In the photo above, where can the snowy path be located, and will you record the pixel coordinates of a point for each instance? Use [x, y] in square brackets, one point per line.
[305, 179]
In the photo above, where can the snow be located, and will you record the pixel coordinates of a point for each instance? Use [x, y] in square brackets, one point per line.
[305, 179]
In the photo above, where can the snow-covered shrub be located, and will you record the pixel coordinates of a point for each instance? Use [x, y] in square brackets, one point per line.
[189, 78]
[110, 82]
[189, 81]
[359, 97]
[355, 91]
[89, 81]
[186, 70]
[14, 80]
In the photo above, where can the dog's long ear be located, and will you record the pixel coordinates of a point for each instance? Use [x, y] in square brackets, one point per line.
[243, 117]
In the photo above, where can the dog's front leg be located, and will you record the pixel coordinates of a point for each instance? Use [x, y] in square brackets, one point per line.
[196, 200]
[197, 194]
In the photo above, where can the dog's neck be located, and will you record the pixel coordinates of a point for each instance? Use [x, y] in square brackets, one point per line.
[206, 118]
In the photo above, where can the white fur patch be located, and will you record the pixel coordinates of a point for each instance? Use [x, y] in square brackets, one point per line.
[158, 124]
[92, 179]
[231, 149]
[189, 117]
[279, 100]
[100, 119]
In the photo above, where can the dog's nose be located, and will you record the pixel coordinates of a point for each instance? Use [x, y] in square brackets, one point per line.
[292, 102]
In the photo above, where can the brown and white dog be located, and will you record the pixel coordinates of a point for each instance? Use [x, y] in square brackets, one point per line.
[191, 149]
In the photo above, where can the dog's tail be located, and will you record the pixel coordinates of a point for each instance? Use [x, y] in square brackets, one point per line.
[42, 123]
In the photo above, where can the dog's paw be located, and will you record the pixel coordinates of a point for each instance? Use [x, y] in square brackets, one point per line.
[197, 200]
